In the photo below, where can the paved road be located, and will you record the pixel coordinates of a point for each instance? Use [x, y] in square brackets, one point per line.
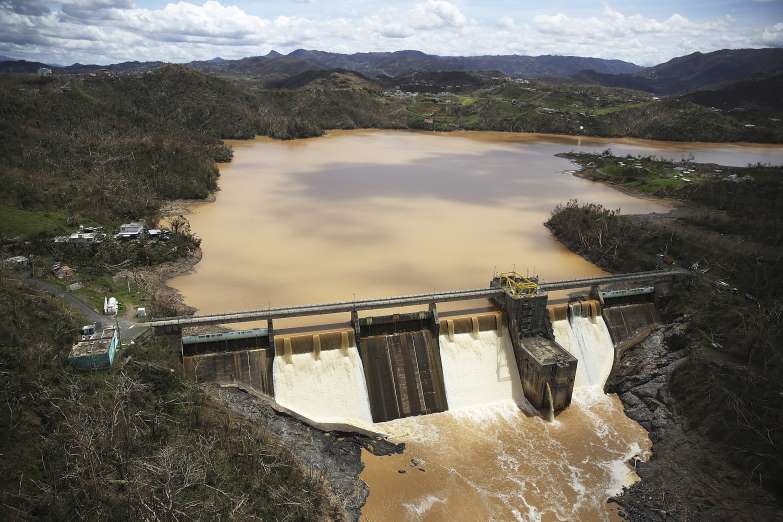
[129, 330]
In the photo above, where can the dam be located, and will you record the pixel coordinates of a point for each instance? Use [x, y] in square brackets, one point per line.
[460, 388]
[380, 368]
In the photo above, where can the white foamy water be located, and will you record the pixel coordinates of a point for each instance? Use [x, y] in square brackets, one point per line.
[587, 339]
[479, 369]
[330, 388]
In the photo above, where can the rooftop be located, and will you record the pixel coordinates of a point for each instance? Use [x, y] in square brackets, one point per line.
[97, 343]
[546, 351]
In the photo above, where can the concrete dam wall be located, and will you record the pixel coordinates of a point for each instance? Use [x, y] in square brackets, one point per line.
[234, 357]
[389, 367]
[625, 320]
[402, 366]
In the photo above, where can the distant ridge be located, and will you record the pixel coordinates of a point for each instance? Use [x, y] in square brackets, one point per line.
[20, 66]
[277, 66]
[403, 62]
[695, 71]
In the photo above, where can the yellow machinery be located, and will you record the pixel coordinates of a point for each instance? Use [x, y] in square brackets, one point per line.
[519, 285]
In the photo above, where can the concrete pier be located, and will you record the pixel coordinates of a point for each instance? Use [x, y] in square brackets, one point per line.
[540, 360]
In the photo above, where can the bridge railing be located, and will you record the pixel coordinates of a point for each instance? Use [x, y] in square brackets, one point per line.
[398, 301]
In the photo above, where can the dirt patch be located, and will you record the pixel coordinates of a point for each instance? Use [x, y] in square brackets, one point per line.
[182, 207]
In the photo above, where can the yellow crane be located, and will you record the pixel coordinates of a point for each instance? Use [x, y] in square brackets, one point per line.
[519, 285]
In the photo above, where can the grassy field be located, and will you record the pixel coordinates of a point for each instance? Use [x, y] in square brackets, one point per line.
[96, 288]
[27, 224]
[642, 174]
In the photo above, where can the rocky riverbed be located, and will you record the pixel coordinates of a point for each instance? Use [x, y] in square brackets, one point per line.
[686, 478]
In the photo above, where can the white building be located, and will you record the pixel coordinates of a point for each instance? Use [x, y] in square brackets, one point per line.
[130, 231]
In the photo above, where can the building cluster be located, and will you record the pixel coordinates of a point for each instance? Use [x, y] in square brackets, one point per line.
[128, 231]
[397, 93]
[84, 235]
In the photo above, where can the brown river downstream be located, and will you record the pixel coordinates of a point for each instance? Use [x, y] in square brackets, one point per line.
[365, 214]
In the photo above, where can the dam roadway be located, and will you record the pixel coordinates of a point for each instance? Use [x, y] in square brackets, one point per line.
[401, 301]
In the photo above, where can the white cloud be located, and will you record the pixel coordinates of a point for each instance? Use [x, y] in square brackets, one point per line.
[105, 31]
[773, 35]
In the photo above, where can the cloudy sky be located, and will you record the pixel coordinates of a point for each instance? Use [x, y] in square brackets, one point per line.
[109, 31]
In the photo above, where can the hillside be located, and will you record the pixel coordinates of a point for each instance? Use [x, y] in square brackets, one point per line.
[133, 443]
[758, 95]
[271, 67]
[695, 71]
[337, 79]
[439, 81]
[113, 147]
[20, 66]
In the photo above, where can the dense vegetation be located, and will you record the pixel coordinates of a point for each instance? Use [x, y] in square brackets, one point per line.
[136, 443]
[565, 108]
[749, 199]
[730, 389]
[111, 148]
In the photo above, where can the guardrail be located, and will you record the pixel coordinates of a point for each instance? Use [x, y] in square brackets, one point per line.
[396, 302]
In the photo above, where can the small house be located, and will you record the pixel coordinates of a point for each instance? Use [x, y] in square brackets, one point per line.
[44, 72]
[132, 230]
[95, 350]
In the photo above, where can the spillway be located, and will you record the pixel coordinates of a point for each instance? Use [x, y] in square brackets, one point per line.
[321, 377]
[625, 320]
[580, 329]
[479, 367]
[403, 370]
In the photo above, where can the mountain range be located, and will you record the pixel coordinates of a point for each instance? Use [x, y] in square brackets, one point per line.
[395, 63]
[402, 62]
[693, 72]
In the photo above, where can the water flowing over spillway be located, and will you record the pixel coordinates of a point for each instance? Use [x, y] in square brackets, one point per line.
[326, 385]
[583, 332]
[479, 368]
